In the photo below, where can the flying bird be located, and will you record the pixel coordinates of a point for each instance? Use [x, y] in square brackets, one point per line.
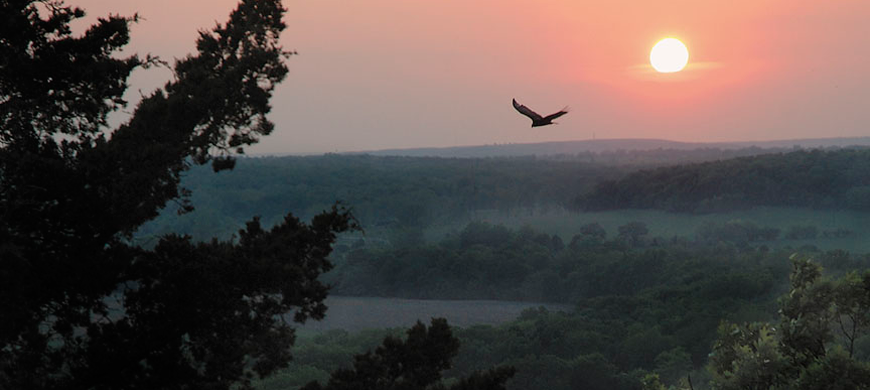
[537, 119]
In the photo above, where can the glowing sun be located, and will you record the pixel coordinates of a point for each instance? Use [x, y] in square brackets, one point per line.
[669, 55]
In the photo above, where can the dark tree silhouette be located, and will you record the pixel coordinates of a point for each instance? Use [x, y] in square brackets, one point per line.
[83, 306]
[412, 364]
[537, 119]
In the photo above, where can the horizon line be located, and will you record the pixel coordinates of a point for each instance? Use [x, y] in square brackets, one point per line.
[595, 140]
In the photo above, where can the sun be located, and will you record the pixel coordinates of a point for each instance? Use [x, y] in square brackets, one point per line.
[669, 55]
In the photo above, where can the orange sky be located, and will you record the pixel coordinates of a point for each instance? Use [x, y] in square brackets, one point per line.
[380, 74]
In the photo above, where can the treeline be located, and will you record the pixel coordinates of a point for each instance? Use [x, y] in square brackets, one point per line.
[485, 261]
[419, 191]
[622, 152]
[640, 308]
[815, 178]
[658, 157]
[383, 191]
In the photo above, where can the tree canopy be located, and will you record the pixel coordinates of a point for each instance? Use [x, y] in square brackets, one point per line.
[814, 178]
[83, 305]
[812, 347]
[415, 363]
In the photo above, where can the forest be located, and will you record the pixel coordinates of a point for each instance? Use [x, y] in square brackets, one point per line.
[641, 308]
[649, 306]
[425, 191]
[383, 191]
[814, 178]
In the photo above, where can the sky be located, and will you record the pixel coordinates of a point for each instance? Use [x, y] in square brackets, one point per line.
[381, 74]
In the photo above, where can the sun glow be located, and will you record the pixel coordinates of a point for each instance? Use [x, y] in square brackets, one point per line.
[669, 55]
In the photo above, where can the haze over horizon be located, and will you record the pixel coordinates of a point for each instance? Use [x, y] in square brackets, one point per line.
[387, 74]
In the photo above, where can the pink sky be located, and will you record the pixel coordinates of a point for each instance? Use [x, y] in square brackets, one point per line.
[381, 74]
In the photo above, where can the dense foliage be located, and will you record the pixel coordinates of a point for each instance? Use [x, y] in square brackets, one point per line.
[485, 261]
[81, 307]
[819, 179]
[819, 342]
[415, 363]
[384, 191]
[413, 192]
[639, 309]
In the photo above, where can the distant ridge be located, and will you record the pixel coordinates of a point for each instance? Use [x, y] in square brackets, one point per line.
[609, 145]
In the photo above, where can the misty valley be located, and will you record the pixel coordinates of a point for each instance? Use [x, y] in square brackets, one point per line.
[174, 216]
[625, 269]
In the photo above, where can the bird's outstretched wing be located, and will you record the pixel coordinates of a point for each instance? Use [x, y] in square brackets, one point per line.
[528, 112]
[556, 115]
